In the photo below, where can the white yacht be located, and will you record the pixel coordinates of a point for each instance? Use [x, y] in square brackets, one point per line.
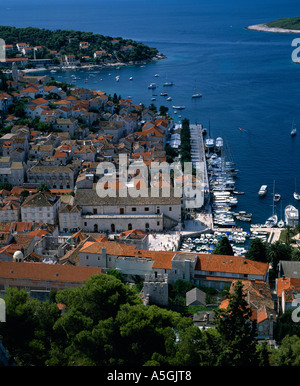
[277, 197]
[296, 196]
[152, 86]
[271, 221]
[197, 95]
[294, 130]
[209, 143]
[291, 215]
[263, 190]
[219, 143]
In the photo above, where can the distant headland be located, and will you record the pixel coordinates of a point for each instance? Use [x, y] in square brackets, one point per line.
[284, 25]
[32, 47]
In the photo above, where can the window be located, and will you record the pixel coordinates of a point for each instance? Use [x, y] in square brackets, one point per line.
[86, 257]
[146, 209]
[157, 222]
[129, 227]
[133, 209]
[113, 228]
[121, 210]
[95, 210]
[170, 209]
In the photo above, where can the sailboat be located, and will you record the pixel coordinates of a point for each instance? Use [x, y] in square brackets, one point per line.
[281, 221]
[196, 94]
[272, 221]
[276, 196]
[296, 194]
[168, 83]
[294, 130]
[209, 143]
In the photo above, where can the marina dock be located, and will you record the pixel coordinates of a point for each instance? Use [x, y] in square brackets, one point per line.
[218, 216]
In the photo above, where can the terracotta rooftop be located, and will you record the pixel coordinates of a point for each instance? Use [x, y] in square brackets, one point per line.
[47, 272]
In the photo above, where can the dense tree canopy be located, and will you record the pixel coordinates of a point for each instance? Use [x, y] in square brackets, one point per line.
[67, 42]
[223, 247]
[257, 251]
[105, 323]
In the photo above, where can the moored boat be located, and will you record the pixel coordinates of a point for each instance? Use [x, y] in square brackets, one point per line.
[291, 215]
[271, 221]
[294, 130]
[277, 197]
[296, 196]
[263, 190]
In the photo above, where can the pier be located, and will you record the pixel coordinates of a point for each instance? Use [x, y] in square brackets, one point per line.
[203, 221]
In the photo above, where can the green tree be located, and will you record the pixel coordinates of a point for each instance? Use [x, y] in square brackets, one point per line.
[3, 81]
[6, 186]
[163, 110]
[18, 109]
[27, 332]
[24, 193]
[286, 326]
[43, 187]
[288, 353]
[106, 324]
[237, 345]
[257, 251]
[223, 248]
[278, 251]
[295, 254]
[116, 274]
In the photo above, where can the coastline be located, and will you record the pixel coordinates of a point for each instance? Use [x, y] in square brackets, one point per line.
[159, 56]
[265, 28]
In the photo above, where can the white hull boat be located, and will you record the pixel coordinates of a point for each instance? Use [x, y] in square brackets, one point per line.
[263, 190]
[291, 215]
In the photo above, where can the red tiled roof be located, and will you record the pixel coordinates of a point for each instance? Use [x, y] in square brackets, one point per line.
[230, 264]
[47, 272]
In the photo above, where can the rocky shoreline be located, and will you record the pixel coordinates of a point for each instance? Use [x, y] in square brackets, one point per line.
[265, 28]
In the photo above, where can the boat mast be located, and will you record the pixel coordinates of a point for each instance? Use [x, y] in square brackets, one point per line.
[273, 196]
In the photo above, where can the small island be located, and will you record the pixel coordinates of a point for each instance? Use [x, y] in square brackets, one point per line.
[283, 25]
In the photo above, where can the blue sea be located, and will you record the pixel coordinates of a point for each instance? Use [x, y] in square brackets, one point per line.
[247, 78]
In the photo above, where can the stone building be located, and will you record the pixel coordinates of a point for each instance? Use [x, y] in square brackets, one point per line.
[156, 289]
[56, 176]
[39, 279]
[41, 208]
[118, 214]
